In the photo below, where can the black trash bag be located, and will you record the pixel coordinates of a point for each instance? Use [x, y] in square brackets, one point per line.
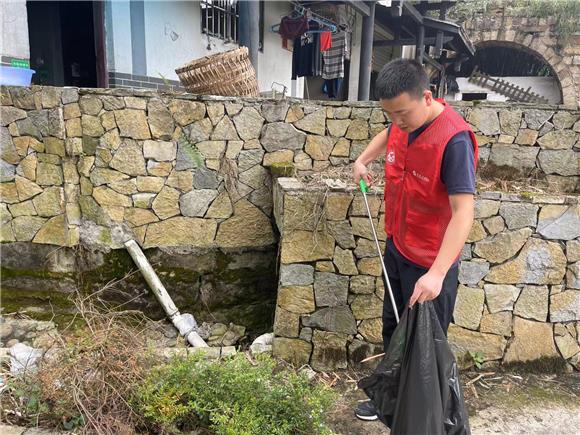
[416, 388]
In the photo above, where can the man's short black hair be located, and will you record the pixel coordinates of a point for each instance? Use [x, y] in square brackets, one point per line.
[401, 75]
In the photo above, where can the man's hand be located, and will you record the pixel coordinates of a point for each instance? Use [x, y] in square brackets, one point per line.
[427, 287]
[360, 171]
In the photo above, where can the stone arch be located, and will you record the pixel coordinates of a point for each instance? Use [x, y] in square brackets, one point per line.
[523, 48]
[542, 48]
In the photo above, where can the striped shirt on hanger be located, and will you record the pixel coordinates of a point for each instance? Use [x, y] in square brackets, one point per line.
[334, 57]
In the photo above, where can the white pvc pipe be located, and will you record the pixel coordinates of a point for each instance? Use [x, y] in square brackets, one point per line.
[184, 323]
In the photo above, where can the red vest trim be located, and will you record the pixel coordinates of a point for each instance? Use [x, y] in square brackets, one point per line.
[416, 201]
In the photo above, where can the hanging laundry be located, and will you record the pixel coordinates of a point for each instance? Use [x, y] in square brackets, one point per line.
[302, 57]
[291, 28]
[334, 57]
[317, 62]
[325, 41]
[332, 88]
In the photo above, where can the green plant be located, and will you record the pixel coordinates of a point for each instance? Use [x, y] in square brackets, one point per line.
[167, 83]
[233, 396]
[477, 359]
[26, 395]
[467, 9]
[74, 422]
[191, 151]
[564, 13]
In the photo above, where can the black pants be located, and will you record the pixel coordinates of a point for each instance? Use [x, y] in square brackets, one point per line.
[403, 275]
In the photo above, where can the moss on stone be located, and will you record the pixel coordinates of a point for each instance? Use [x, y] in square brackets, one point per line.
[117, 264]
[541, 365]
[282, 169]
[42, 274]
[39, 304]
[241, 294]
[531, 393]
[105, 236]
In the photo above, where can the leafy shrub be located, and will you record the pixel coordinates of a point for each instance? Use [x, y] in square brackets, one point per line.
[233, 396]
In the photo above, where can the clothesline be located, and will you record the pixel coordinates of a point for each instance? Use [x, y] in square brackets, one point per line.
[316, 51]
[307, 15]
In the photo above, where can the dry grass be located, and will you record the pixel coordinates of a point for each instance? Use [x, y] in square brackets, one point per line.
[344, 174]
[87, 379]
[489, 178]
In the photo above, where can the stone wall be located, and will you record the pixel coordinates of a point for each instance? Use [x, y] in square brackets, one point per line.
[537, 142]
[189, 175]
[519, 292]
[99, 166]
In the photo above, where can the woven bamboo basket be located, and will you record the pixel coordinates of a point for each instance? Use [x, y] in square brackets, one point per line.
[229, 74]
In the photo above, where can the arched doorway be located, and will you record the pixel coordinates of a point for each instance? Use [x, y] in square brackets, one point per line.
[514, 63]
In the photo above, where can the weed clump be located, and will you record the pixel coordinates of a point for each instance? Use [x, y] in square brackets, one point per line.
[238, 395]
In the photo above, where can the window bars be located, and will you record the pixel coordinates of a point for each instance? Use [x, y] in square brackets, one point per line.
[219, 18]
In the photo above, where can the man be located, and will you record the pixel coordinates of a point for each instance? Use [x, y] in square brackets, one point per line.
[430, 163]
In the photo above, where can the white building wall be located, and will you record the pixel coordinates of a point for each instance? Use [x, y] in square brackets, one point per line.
[275, 62]
[119, 54]
[14, 19]
[173, 37]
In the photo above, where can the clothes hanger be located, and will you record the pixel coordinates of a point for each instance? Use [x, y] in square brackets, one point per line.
[300, 11]
[326, 27]
[296, 13]
[324, 24]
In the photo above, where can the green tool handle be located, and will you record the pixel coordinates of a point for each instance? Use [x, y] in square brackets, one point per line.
[363, 186]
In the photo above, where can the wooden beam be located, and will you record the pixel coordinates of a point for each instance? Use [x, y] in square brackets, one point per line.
[432, 62]
[100, 44]
[410, 41]
[438, 44]
[397, 8]
[359, 6]
[441, 87]
[410, 32]
[409, 9]
[420, 47]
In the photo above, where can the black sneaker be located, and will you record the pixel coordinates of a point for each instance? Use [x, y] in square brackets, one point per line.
[366, 411]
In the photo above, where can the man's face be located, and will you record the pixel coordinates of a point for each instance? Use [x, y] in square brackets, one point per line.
[408, 112]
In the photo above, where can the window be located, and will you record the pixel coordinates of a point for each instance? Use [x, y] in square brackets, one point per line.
[474, 96]
[219, 18]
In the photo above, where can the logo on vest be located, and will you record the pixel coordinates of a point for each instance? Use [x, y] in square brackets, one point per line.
[420, 176]
[391, 157]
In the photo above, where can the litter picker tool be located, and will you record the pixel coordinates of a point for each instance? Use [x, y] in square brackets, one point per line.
[364, 190]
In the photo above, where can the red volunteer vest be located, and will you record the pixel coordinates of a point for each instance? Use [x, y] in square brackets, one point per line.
[416, 201]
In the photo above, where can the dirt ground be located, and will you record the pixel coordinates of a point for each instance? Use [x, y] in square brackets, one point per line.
[498, 403]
